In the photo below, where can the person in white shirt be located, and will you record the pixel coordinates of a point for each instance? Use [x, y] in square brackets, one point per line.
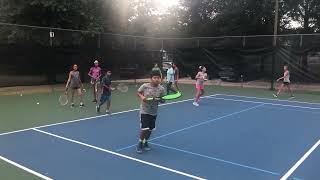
[170, 80]
[286, 82]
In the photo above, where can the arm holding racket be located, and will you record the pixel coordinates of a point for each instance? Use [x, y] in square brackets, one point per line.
[205, 78]
[141, 96]
[108, 87]
[90, 73]
[280, 78]
[166, 97]
[198, 76]
[83, 89]
[68, 83]
[284, 76]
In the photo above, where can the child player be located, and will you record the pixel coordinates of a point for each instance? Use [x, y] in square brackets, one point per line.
[106, 92]
[149, 109]
[286, 82]
[201, 77]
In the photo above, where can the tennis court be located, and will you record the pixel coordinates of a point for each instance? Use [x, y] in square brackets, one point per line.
[227, 137]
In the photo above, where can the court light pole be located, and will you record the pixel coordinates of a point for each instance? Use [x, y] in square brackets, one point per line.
[274, 43]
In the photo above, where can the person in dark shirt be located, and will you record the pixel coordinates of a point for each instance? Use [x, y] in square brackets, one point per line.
[176, 75]
[106, 92]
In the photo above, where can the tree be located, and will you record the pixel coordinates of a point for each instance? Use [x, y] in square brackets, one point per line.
[306, 12]
[71, 14]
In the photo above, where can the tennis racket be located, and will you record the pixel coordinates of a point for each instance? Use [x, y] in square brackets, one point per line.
[63, 99]
[122, 87]
[166, 97]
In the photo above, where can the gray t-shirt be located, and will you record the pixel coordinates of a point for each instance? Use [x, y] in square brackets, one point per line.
[150, 107]
[75, 81]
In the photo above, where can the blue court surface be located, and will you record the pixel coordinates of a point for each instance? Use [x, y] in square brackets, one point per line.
[226, 137]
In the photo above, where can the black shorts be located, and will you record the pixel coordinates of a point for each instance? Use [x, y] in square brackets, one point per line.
[147, 122]
[75, 87]
[286, 83]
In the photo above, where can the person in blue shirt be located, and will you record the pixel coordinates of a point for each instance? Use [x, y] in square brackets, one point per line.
[106, 92]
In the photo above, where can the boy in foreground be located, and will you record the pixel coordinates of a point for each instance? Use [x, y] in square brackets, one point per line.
[149, 109]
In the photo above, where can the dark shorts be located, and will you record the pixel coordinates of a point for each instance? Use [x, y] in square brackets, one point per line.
[147, 122]
[286, 83]
[75, 87]
[105, 97]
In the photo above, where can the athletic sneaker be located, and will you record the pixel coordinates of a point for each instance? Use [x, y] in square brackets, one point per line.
[274, 95]
[95, 101]
[108, 112]
[98, 108]
[72, 105]
[291, 97]
[195, 104]
[139, 148]
[146, 146]
[81, 105]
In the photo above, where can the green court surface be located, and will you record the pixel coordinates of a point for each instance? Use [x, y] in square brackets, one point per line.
[21, 112]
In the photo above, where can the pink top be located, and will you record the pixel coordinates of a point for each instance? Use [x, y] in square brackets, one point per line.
[95, 72]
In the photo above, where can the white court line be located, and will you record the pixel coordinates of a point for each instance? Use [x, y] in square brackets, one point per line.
[303, 158]
[280, 100]
[121, 155]
[25, 168]
[266, 103]
[93, 117]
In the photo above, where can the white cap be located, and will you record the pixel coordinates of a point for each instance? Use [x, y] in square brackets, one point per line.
[96, 61]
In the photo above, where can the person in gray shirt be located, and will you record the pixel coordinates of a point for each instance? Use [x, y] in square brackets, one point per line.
[149, 109]
[74, 82]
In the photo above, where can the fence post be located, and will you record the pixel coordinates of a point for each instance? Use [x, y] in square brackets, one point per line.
[275, 33]
[243, 41]
[51, 35]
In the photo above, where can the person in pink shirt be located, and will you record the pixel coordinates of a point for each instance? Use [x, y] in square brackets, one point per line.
[201, 77]
[95, 74]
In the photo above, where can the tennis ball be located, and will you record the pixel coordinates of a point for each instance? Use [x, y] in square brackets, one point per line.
[38, 103]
